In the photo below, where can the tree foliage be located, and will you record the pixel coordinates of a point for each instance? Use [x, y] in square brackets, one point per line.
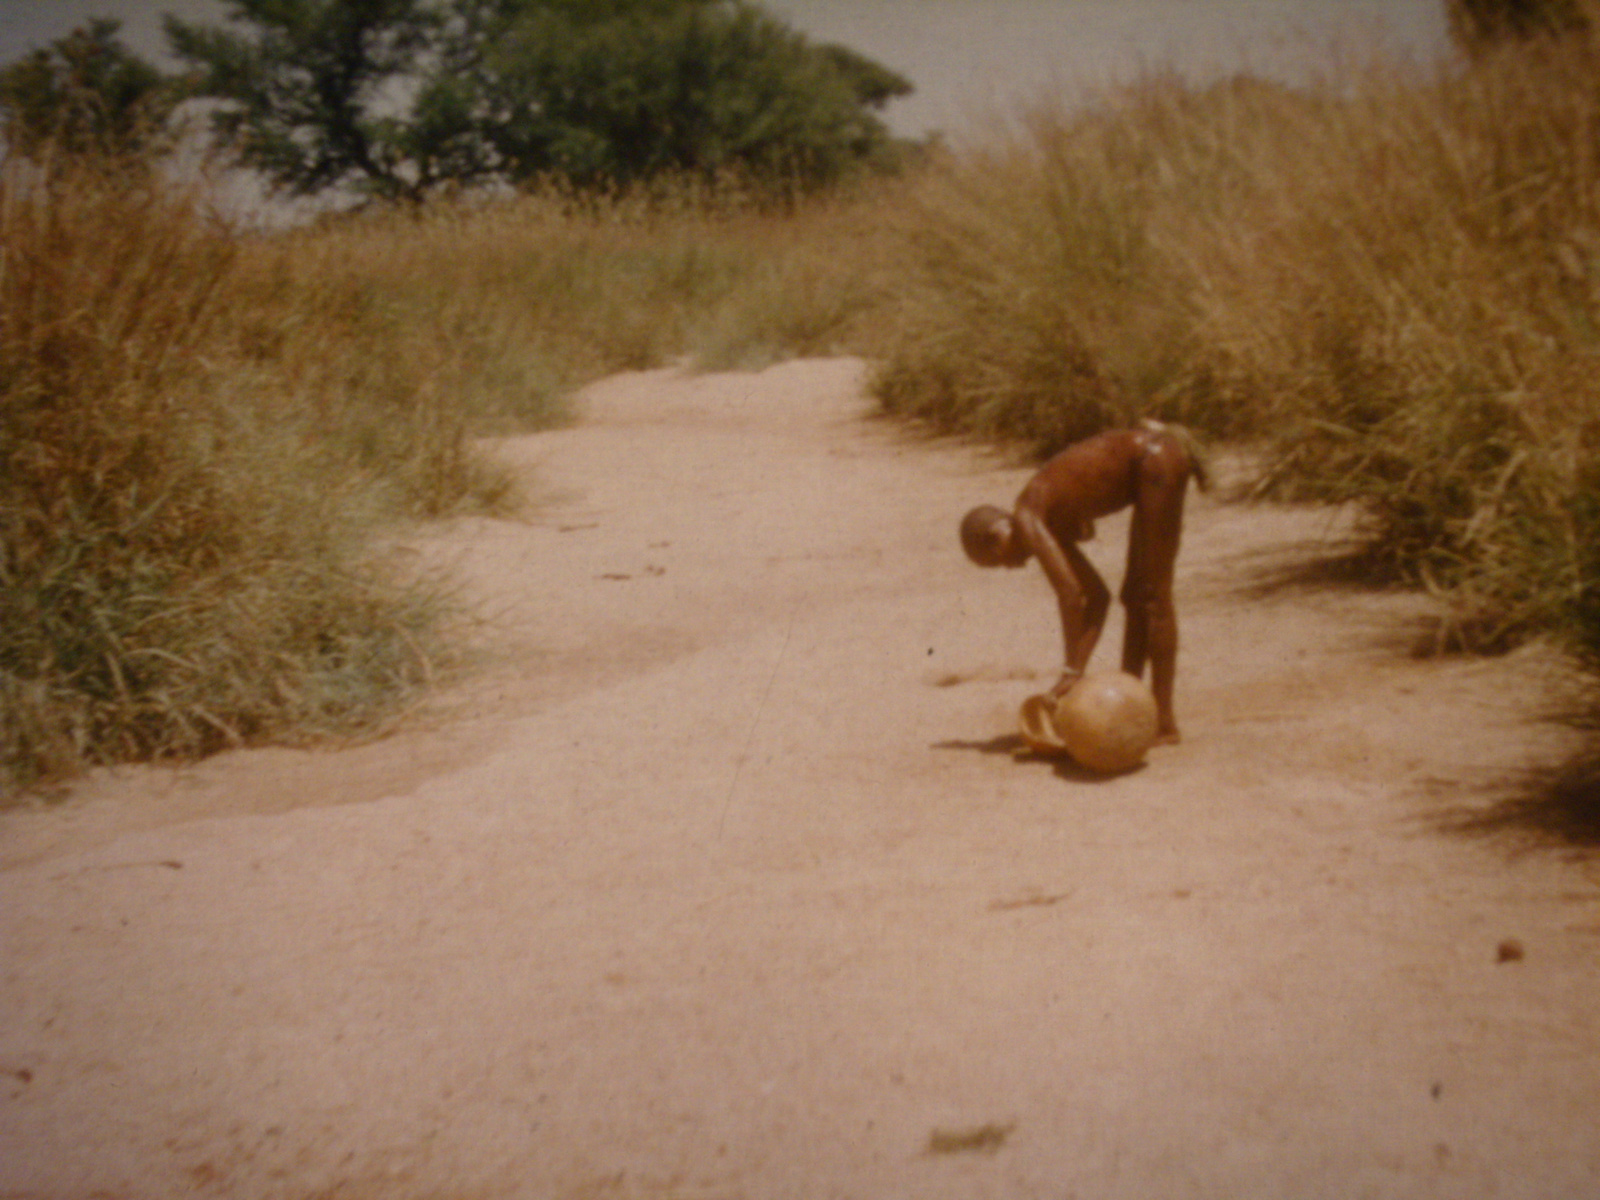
[86, 93]
[306, 88]
[396, 98]
[1478, 24]
[700, 87]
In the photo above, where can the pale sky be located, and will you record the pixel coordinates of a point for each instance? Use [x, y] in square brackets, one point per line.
[976, 59]
[969, 59]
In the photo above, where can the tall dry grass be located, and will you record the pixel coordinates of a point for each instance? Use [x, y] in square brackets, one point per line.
[526, 297]
[1389, 278]
[201, 432]
[1415, 313]
[184, 561]
[1042, 294]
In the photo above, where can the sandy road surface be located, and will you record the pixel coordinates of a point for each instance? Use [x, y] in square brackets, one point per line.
[722, 880]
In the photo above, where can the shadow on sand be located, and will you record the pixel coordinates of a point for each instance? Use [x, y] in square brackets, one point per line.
[1015, 747]
[1552, 807]
[1309, 566]
[1348, 567]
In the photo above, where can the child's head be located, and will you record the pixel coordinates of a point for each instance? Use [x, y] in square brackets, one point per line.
[989, 536]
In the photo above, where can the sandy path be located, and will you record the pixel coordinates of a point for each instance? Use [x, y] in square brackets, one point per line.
[722, 881]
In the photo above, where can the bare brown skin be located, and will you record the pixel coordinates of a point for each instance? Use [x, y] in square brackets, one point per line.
[1146, 468]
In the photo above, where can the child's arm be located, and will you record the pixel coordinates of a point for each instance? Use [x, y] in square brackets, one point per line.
[1069, 592]
[1048, 551]
[1073, 593]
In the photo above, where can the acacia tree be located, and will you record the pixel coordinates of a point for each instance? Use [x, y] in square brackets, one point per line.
[86, 93]
[702, 87]
[309, 89]
[399, 97]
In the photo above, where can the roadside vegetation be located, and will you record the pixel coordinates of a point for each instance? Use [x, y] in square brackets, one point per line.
[529, 296]
[1386, 282]
[208, 434]
[193, 450]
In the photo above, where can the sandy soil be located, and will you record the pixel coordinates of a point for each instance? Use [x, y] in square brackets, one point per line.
[725, 878]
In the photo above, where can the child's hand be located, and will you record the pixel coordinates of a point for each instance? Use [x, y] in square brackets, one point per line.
[1064, 684]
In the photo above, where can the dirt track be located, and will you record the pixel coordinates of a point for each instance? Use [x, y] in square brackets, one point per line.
[723, 879]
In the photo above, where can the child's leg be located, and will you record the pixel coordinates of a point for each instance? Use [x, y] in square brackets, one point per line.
[1152, 621]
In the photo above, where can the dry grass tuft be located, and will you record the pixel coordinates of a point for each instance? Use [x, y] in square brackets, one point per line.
[181, 546]
[1389, 278]
[202, 431]
[524, 298]
[1042, 292]
[1416, 320]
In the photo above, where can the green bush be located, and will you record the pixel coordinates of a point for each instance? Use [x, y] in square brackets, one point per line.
[407, 99]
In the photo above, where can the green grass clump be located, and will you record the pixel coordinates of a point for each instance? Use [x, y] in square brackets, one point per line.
[183, 562]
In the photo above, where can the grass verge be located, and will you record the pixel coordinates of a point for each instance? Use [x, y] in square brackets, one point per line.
[184, 553]
[202, 431]
[1388, 278]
